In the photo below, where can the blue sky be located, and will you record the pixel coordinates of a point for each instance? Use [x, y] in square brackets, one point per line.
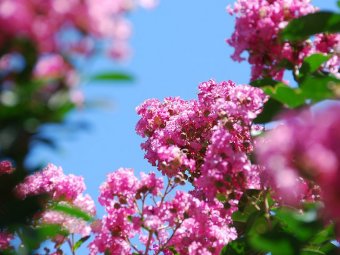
[175, 47]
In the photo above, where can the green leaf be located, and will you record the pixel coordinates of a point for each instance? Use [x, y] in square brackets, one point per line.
[9, 252]
[338, 3]
[33, 237]
[311, 24]
[80, 242]
[275, 242]
[236, 247]
[240, 217]
[112, 76]
[265, 82]
[72, 211]
[248, 209]
[319, 88]
[330, 249]
[310, 251]
[289, 96]
[312, 63]
[220, 197]
[249, 199]
[50, 230]
[173, 250]
[270, 110]
[286, 64]
[325, 235]
[303, 226]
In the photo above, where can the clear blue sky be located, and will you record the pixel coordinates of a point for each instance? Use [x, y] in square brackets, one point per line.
[175, 47]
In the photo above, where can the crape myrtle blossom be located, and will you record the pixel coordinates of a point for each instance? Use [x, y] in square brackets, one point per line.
[207, 140]
[40, 21]
[52, 180]
[5, 239]
[303, 151]
[41, 38]
[63, 189]
[258, 23]
[141, 208]
[329, 44]
[59, 78]
[6, 167]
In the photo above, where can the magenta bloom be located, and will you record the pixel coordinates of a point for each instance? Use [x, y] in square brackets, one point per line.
[41, 21]
[203, 229]
[5, 239]
[141, 208]
[62, 189]
[302, 152]
[258, 23]
[207, 140]
[6, 167]
[52, 180]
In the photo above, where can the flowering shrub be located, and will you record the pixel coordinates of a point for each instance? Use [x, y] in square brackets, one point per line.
[42, 21]
[305, 152]
[258, 24]
[39, 44]
[183, 223]
[275, 194]
[61, 191]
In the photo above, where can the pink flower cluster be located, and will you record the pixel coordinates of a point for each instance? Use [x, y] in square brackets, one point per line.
[44, 35]
[59, 78]
[258, 23]
[42, 20]
[52, 180]
[206, 140]
[63, 189]
[6, 167]
[302, 152]
[329, 44]
[5, 239]
[184, 223]
[51, 67]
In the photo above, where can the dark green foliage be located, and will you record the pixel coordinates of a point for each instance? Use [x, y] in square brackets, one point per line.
[13, 210]
[32, 237]
[265, 227]
[270, 110]
[312, 63]
[311, 24]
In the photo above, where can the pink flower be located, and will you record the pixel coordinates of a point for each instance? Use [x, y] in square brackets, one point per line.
[6, 167]
[120, 184]
[207, 140]
[258, 23]
[72, 224]
[40, 21]
[301, 157]
[52, 180]
[51, 67]
[226, 171]
[151, 183]
[181, 222]
[202, 226]
[5, 239]
[60, 189]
